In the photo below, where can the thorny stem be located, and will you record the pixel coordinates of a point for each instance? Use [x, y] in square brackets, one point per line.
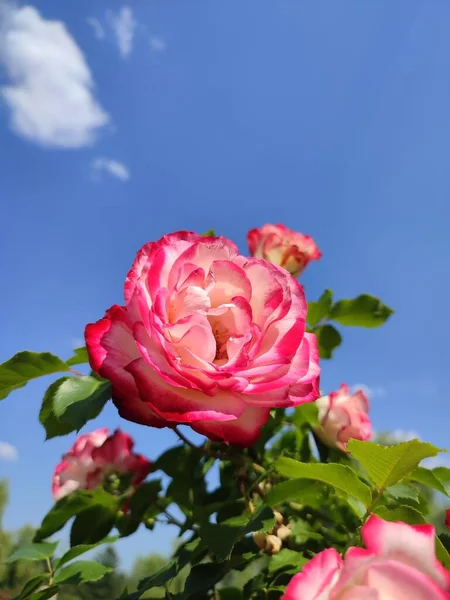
[77, 373]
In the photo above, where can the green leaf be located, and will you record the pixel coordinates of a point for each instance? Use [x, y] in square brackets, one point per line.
[409, 515]
[222, 538]
[203, 577]
[230, 593]
[443, 473]
[319, 310]
[295, 490]
[79, 399]
[209, 233]
[328, 338]
[25, 366]
[429, 478]
[82, 549]
[287, 560]
[161, 577]
[81, 356]
[53, 425]
[386, 465]
[92, 525]
[402, 490]
[68, 507]
[32, 585]
[144, 497]
[363, 311]
[46, 594]
[81, 571]
[34, 551]
[341, 477]
[306, 414]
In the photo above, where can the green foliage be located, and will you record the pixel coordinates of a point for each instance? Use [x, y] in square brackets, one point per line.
[430, 478]
[80, 357]
[25, 366]
[70, 402]
[81, 571]
[386, 465]
[341, 477]
[76, 551]
[317, 311]
[328, 338]
[363, 311]
[36, 551]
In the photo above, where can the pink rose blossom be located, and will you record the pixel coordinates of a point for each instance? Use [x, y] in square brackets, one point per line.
[343, 416]
[207, 338]
[397, 563]
[284, 247]
[93, 457]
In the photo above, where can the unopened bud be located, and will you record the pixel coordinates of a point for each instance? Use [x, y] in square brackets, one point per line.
[260, 539]
[283, 532]
[273, 544]
[278, 517]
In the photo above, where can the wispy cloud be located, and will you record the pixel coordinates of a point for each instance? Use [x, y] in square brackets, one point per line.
[157, 44]
[97, 27]
[123, 24]
[370, 391]
[112, 167]
[50, 90]
[8, 452]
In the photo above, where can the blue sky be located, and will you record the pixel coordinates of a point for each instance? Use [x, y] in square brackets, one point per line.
[332, 117]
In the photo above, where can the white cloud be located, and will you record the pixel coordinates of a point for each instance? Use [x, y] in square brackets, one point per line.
[8, 452]
[97, 27]
[123, 25]
[113, 167]
[401, 435]
[157, 44]
[371, 392]
[50, 91]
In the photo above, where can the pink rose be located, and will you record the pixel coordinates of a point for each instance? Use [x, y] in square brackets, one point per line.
[343, 416]
[398, 563]
[447, 518]
[208, 338]
[284, 247]
[93, 457]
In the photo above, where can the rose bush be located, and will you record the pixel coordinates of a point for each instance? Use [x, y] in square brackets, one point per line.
[343, 416]
[283, 246]
[397, 563]
[93, 457]
[207, 338]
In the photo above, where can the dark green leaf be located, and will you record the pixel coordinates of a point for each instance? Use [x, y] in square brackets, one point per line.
[80, 357]
[222, 538]
[363, 311]
[328, 339]
[319, 310]
[410, 515]
[287, 559]
[92, 525]
[79, 399]
[429, 478]
[34, 551]
[341, 477]
[203, 577]
[443, 474]
[144, 497]
[387, 465]
[81, 571]
[62, 512]
[230, 593]
[46, 594]
[82, 549]
[25, 366]
[32, 585]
